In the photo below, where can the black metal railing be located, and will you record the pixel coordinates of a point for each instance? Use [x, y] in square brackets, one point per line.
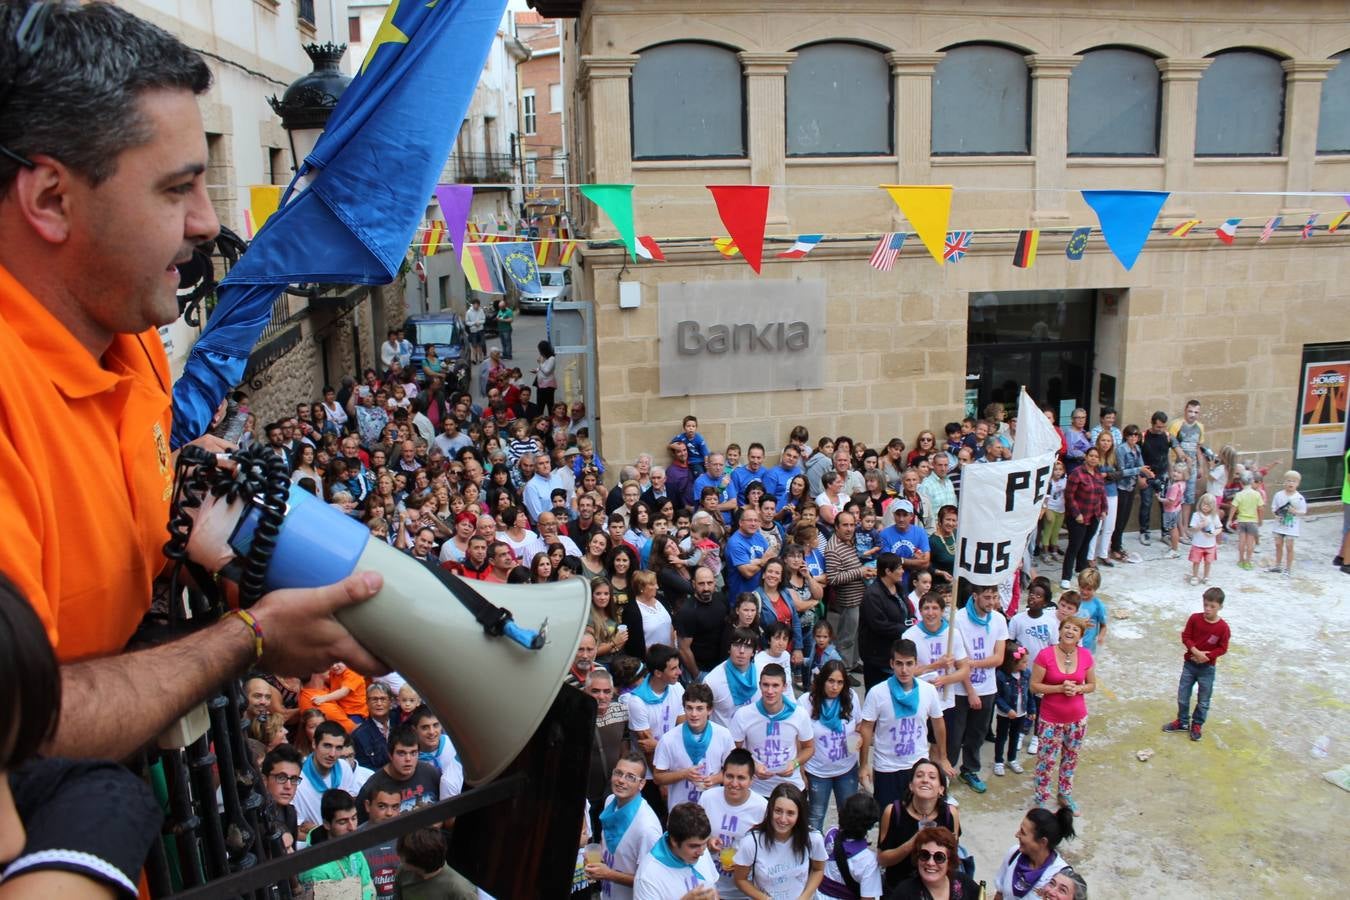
[482, 168]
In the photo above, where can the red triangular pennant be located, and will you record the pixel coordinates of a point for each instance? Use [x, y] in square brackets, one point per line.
[743, 209]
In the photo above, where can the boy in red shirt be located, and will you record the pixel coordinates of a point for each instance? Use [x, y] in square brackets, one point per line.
[1206, 639]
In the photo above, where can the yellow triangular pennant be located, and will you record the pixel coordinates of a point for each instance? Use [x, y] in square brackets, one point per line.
[927, 207]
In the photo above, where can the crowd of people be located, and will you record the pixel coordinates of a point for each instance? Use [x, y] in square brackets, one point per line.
[761, 637]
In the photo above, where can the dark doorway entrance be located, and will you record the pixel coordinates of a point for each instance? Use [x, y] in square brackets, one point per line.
[1042, 340]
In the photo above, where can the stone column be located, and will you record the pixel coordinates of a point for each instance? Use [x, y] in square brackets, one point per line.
[1180, 85]
[610, 132]
[766, 123]
[1050, 135]
[912, 77]
[1302, 103]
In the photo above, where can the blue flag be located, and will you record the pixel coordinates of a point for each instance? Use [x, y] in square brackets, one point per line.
[518, 262]
[1077, 243]
[1127, 218]
[372, 174]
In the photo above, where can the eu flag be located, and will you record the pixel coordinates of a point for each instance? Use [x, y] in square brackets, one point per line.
[371, 173]
[518, 260]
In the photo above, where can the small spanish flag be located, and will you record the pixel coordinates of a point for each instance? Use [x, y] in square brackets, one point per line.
[431, 238]
[726, 246]
[568, 248]
[542, 251]
[1024, 257]
[1337, 222]
[1184, 228]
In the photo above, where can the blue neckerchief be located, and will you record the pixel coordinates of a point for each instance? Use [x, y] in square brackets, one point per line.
[615, 819]
[742, 684]
[696, 745]
[312, 775]
[941, 628]
[666, 857]
[905, 704]
[788, 709]
[645, 693]
[433, 756]
[829, 715]
[971, 611]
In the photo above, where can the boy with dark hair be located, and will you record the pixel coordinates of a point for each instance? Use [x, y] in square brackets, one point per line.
[678, 864]
[339, 819]
[1205, 638]
[422, 872]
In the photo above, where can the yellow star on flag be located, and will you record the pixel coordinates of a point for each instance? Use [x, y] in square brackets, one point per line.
[388, 34]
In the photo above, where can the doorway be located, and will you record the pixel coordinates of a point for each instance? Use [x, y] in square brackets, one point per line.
[1040, 340]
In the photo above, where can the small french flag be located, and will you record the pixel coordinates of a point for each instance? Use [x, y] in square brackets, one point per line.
[648, 248]
[1227, 231]
[804, 244]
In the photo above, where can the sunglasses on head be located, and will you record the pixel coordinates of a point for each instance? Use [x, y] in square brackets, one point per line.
[937, 856]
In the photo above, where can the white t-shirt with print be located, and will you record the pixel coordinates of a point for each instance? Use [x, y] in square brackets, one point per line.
[1286, 510]
[833, 757]
[658, 718]
[1204, 530]
[658, 881]
[637, 842]
[729, 825]
[777, 869]
[772, 744]
[980, 643]
[897, 744]
[672, 756]
[931, 648]
[1034, 634]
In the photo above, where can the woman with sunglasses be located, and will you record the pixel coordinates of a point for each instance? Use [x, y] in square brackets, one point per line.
[1033, 863]
[938, 875]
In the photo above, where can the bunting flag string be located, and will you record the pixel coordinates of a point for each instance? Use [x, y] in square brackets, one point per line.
[928, 209]
[1024, 257]
[1126, 218]
[744, 209]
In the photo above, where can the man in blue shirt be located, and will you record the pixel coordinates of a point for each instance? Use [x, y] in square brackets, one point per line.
[776, 480]
[747, 553]
[906, 539]
[717, 478]
[753, 470]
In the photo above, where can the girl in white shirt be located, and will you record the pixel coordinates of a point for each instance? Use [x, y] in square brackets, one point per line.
[781, 857]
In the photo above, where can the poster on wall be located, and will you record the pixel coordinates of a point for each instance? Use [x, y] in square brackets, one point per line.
[1322, 410]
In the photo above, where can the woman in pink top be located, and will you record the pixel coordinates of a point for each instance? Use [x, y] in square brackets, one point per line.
[1061, 675]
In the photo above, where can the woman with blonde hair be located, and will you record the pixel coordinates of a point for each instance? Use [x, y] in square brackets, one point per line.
[1099, 545]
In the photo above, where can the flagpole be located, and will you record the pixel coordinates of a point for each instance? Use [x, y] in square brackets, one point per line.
[951, 603]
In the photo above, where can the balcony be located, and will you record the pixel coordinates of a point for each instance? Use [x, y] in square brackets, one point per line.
[480, 168]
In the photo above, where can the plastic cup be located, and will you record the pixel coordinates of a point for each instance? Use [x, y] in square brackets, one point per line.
[594, 854]
[726, 857]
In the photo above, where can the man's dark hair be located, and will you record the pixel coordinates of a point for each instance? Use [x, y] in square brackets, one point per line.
[334, 801]
[76, 99]
[423, 849]
[328, 729]
[904, 648]
[659, 656]
[740, 757]
[422, 712]
[687, 821]
[282, 754]
[888, 562]
[403, 736]
[699, 693]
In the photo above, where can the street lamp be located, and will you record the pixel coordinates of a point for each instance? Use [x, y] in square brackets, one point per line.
[310, 100]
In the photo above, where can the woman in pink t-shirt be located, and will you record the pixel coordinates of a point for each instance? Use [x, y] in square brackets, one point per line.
[1061, 675]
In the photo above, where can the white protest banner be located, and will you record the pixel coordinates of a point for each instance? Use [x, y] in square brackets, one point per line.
[1001, 501]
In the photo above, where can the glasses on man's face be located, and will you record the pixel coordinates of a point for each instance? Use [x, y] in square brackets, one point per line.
[628, 777]
[281, 779]
[937, 856]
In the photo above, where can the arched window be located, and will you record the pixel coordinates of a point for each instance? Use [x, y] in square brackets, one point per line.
[1333, 122]
[1113, 104]
[839, 101]
[981, 101]
[1240, 105]
[688, 100]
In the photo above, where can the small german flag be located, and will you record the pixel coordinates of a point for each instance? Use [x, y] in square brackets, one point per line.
[1024, 257]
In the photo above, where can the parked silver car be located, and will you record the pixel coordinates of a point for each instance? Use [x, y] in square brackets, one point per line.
[556, 284]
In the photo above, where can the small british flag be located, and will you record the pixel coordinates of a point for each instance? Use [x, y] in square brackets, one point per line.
[887, 251]
[958, 244]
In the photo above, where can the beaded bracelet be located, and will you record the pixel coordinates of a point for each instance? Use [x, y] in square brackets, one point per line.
[252, 623]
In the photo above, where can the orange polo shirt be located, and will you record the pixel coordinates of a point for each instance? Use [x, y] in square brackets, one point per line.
[85, 474]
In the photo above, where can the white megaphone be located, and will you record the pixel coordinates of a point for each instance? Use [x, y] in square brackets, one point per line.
[490, 680]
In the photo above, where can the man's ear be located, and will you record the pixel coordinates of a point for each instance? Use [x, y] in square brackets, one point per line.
[42, 195]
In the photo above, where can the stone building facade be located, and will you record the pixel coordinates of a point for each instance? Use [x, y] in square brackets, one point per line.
[913, 347]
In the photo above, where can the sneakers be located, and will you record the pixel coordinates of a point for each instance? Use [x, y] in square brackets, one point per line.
[1276, 570]
[1172, 554]
[1144, 539]
[998, 769]
[1195, 732]
[1246, 565]
[1338, 560]
[1032, 746]
[1015, 766]
[1175, 725]
[1103, 561]
[1193, 580]
[1185, 539]
[974, 782]
[1066, 584]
